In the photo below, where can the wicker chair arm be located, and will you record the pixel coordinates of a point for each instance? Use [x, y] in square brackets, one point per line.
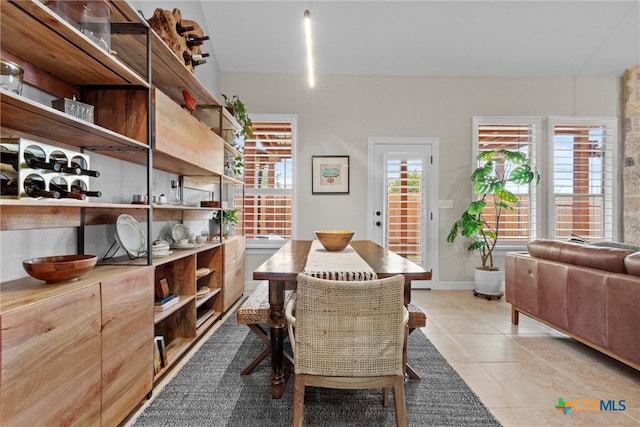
[291, 320]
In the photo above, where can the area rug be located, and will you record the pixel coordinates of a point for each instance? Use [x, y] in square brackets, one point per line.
[209, 391]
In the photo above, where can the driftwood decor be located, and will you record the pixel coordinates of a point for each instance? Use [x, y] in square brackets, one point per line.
[184, 37]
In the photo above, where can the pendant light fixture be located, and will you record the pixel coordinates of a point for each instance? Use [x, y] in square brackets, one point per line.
[309, 44]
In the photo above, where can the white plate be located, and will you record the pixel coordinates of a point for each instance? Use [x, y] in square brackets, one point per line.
[130, 235]
[179, 232]
[187, 246]
[160, 254]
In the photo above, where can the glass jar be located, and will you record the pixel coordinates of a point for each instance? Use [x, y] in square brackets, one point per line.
[11, 78]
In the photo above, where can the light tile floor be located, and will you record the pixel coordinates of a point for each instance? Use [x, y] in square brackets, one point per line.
[519, 372]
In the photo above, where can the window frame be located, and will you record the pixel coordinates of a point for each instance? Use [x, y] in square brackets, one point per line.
[266, 243]
[536, 192]
[613, 234]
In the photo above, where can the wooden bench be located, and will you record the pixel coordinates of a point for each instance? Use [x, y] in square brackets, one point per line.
[417, 319]
[254, 312]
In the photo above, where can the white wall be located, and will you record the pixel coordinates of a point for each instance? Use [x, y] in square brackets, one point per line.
[341, 112]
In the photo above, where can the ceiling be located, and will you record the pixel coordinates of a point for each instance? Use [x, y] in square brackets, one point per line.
[478, 37]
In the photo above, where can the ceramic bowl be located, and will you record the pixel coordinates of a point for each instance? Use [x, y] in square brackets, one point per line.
[59, 268]
[334, 240]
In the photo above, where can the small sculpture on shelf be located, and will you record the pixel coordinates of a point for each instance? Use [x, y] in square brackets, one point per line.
[184, 37]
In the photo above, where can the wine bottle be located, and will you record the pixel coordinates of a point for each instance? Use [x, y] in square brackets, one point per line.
[195, 59]
[8, 187]
[196, 41]
[36, 162]
[78, 189]
[81, 171]
[36, 188]
[183, 29]
[66, 194]
[10, 158]
[61, 159]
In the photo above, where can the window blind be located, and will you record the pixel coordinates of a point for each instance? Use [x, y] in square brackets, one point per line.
[583, 176]
[268, 176]
[516, 134]
[405, 200]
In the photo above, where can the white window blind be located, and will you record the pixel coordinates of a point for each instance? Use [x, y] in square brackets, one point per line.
[405, 200]
[583, 170]
[512, 133]
[268, 176]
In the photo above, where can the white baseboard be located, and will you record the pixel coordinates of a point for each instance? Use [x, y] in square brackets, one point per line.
[448, 286]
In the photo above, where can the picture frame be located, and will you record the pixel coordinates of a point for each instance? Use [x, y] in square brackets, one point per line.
[330, 174]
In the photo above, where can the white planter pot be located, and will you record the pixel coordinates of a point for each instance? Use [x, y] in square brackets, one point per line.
[488, 282]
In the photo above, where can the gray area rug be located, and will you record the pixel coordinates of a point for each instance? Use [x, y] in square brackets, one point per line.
[209, 391]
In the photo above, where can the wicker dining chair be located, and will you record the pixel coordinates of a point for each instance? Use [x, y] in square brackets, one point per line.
[348, 335]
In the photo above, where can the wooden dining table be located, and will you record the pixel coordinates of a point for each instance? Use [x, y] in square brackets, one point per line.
[282, 268]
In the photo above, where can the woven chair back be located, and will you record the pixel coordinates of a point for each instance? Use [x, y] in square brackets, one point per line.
[349, 328]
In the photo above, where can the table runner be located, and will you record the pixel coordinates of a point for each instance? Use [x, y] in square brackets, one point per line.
[343, 265]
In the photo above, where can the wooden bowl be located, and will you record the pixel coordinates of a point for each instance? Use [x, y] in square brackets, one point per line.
[334, 240]
[59, 268]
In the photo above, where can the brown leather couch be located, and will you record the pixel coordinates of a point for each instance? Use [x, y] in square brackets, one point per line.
[588, 292]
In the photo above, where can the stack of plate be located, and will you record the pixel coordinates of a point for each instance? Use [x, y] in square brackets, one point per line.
[160, 248]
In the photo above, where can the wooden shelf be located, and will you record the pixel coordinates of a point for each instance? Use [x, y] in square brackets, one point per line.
[207, 318]
[159, 316]
[24, 118]
[26, 214]
[207, 297]
[69, 54]
[170, 75]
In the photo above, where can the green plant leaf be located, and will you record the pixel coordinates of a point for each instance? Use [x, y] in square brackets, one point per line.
[522, 175]
[476, 208]
[506, 195]
[486, 155]
[515, 157]
[476, 245]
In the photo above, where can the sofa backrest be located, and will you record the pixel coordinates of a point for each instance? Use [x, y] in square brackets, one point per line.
[602, 258]
[632, 263]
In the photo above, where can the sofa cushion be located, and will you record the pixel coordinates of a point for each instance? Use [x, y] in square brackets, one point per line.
[602, 258]
[632, 263]
[618, 245]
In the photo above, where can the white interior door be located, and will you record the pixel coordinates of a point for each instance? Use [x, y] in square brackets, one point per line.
[403, 199]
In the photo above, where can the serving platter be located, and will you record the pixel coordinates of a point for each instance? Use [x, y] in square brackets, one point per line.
[179, 232]
[130, 236]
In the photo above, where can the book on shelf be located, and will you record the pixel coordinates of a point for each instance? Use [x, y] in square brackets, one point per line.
[161, 351]
[160, 301]
[167, 304]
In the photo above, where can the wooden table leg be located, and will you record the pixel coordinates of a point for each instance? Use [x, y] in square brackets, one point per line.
[277, 333]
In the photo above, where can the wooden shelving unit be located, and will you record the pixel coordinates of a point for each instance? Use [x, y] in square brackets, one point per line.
[141, 131]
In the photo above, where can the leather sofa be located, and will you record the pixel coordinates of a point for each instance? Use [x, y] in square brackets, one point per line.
[590, 293]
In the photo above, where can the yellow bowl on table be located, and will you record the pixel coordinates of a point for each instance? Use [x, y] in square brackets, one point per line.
[334, 240]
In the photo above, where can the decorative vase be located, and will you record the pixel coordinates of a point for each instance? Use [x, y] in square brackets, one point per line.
[488, 282]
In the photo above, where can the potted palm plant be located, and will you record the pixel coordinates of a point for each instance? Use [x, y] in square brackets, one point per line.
[480, 221]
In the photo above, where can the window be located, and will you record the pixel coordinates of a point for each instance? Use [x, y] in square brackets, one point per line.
[582, 172]
[405, 207]
[579, 176]
[268, 177]
[512, 133]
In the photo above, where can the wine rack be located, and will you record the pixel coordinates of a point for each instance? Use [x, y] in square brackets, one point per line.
[49, 178]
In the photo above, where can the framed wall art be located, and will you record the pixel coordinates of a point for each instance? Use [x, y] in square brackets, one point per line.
[330, 174]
